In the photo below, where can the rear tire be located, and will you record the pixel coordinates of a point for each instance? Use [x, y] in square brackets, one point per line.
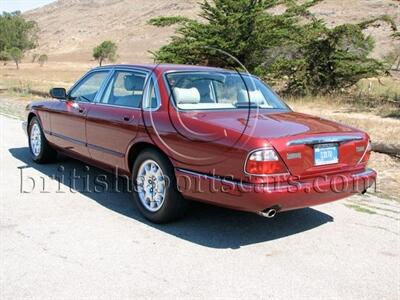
[155, 190]
[41, 151]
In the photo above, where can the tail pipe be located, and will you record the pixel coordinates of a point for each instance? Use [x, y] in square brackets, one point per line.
[270, 212]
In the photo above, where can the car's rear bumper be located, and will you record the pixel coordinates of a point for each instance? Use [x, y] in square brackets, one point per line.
[25, 127]
[284, 196]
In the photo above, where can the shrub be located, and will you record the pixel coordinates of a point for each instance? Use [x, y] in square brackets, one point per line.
[5, 56]
[43, 58]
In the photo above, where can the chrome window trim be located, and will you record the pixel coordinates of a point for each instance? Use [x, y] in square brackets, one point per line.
[116, 106]
[170, 94]
[325, 139]
[149, 75]
[147, 91]
[265, 175]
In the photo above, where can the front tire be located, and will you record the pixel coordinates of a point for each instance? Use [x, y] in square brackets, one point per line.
[155, 190]
[41, 151]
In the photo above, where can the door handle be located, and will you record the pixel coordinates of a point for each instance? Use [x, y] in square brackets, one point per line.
[78, 108]
[127, 118]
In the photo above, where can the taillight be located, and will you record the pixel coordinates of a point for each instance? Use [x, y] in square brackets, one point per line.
[367, 153]
[265, 162]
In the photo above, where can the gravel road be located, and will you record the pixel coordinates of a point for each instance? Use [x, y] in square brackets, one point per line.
[72, 244]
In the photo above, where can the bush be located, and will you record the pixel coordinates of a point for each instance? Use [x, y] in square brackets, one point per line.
[168, 21]
[5, 56]
[43, 58]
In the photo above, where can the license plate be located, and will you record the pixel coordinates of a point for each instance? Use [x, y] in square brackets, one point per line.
[326, 154]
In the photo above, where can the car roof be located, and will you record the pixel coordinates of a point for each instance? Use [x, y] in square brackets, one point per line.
[165, 67]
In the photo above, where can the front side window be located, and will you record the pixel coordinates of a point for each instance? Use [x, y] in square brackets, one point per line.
[221, 90]
[87, 89]
[125, 89]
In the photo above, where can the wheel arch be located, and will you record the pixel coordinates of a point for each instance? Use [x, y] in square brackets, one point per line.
[138, 147]
[31, 115]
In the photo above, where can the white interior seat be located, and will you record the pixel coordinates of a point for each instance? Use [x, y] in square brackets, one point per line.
[255, 96]
[189, 96]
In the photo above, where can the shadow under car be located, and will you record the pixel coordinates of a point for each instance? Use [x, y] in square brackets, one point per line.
[204, 224]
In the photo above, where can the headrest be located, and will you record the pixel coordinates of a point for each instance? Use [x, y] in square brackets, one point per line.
[255, 96]
[133, 82]
[191, 95]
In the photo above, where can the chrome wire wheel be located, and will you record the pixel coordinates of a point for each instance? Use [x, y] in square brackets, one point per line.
[35, 139]
[151, 185]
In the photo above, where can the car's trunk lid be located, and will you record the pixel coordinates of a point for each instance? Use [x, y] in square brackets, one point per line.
[301, 151]
[294, 136]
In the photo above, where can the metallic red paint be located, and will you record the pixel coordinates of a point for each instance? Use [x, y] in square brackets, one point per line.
[210, 146]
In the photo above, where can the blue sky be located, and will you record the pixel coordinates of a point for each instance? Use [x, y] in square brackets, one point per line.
[22, 5]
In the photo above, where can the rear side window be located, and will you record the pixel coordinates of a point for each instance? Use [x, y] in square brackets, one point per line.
[125, 89]
[151, 99]
[87, 89]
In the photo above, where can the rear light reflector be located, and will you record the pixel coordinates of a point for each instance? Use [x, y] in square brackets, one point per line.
[264, 162]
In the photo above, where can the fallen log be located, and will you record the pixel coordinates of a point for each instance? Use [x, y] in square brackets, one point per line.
[30, 91]
[390, 149]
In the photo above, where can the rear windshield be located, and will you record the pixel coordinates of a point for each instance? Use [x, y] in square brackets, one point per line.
[221, 90]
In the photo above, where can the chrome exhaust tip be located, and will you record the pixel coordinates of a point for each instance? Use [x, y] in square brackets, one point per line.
[269, 212]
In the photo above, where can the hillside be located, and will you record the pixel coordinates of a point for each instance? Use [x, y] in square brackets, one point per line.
[71, 28]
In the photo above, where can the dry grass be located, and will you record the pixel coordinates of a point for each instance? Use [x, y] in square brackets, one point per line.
[386, 87]
[381, 129]
[388, 169]
[42, 78]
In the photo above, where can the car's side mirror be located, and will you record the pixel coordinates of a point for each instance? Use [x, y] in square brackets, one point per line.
[58, 93]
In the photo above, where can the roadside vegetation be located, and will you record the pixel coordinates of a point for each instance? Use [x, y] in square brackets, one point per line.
[17, 35]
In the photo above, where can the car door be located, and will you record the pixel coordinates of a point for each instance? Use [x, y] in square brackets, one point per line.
[112, 123]
[68, 118]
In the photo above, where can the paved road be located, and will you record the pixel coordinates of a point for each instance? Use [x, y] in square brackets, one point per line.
[70, 244]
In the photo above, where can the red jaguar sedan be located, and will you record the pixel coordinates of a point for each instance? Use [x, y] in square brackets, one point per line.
[207, 134]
